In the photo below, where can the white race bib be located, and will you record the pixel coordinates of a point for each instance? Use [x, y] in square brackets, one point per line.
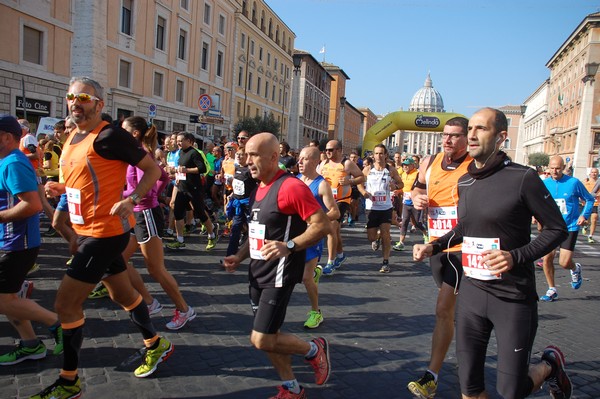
[74, 201]
[179, 176]
[441, 220]
[472, 247]
[238, 187]
[562, 206]
[256, 239]
[379, 197]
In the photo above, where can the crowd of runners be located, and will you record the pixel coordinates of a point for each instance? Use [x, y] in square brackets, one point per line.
[113, 187]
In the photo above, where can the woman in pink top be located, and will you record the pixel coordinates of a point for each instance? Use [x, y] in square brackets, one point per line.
[149, 229]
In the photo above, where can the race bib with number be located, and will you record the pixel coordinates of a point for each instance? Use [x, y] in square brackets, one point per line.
[238, 187]
[334, 191]
[379, 197]
[74, 201]
[179, 176]
[406, 196]
[442, 219]
[562, 206]
[256, 239]
[472, 247]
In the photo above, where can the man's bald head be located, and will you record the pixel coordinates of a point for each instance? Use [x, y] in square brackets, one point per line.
[558, 161]
[311, 153]
[263, 156]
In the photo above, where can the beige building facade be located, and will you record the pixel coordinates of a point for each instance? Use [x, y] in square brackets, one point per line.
[566, 96]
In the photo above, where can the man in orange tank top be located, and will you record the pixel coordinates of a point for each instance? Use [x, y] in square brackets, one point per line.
[341, 174]
[436, 190]
[93, 164]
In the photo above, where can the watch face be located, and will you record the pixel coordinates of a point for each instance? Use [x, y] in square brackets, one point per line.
[291, 244]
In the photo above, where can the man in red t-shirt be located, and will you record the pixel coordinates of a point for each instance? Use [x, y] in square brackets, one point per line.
[278, 236]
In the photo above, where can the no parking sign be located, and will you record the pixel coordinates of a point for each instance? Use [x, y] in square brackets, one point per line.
[204, 102]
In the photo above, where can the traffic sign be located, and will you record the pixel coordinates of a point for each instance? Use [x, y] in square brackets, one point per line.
[204, 102]
[152, 108]
[151, 114]
[568, 159]
[193, 118]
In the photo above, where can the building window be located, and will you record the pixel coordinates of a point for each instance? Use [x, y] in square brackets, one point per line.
[240, 76]
[179, 127]
[126, 16]
[205, 55]
[260, 53]
[158, 84]
[179, 91]
[207, 10]
[161, 30]
[220, 64]
[258, 85]
[251, 47]
[249, 87]
[182, 44]
[125, 74]
[185, 4]
[222, 25]
[275, 64]
[32, 45]
[268, 59]
[243, 46]
[267, 89]
[216, 101]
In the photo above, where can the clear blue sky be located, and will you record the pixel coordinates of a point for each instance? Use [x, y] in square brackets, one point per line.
[479, 53]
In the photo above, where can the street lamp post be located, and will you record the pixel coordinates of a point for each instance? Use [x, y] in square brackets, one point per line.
[584, 135]
[342, 117]
[294, 126]
[520, 154]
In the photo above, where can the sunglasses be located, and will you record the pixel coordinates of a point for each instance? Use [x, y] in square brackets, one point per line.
[82, 97]
[242, 138]
[330, 149]
[230, 148]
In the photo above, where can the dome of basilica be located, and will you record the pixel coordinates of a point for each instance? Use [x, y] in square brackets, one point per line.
[427, 99]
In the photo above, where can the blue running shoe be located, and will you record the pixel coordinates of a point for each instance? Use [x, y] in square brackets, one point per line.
[551, 296]
[576, 279]
[328, 269]
[338, 261]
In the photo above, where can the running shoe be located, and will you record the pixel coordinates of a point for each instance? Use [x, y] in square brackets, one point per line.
[21, 353]
[385, 268]
[591, 240]
[399, 246]
[59, 346]
[317, 274]
[99, 292]
[203, 231]
[168, 234]
[212, 242]
[175, 245]
[576, 278]
[181, 318]
[315, 318]
[50, 233]
[34, 268]
[26, 289]
[558, 380]
[424, 388]
[584, 230]
[329, 269]
[285, 393]
[154, 307]
[551, 296]
[61, 389]
[338, 261]
[153, 357]
[320, 362]
[376, 244]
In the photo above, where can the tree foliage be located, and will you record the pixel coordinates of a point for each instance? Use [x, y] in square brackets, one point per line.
[257, 124]
[539, 159]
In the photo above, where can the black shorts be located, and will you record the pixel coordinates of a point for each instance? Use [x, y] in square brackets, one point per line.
[446, 267]
[14, 266]
[595, 209]
[570, 241]
[514, 324]
[96, 257]
[343, 207]
[149, 223]
[355, 194]
[182, 203]
[376, 218]
[269, 306]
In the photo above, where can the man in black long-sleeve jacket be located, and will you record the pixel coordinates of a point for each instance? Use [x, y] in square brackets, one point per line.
[497, 199]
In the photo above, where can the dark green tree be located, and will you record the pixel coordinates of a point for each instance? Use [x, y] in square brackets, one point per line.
[257, 124]
[539, 159]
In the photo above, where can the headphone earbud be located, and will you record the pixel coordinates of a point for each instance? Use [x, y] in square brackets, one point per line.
[499, 139]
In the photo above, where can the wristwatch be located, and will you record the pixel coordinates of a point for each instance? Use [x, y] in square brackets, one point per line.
[291, 245]
[135, 198]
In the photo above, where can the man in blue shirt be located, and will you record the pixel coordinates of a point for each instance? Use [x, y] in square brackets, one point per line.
[20, 206]
[567, 192]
